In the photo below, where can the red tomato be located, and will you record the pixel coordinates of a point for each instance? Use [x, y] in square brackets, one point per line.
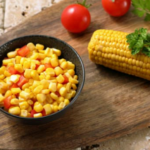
[33, 112]
[43, 112]
[7, 103]
[14, 85]
[24, 51]
[37, 66]
[47, 65]
[12, 70]
[75, 18]
[116, 8]
[66, 79]
[22, 81]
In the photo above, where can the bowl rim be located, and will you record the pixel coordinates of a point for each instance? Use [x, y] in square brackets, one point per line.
[77, 94]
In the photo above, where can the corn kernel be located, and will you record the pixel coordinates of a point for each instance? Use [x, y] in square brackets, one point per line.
[61, 99]
[30, 102]
[24, 113]
[68, 96]
[59, 86]
[39, 46]
[15, 90]
[75, 77]
[15, 110]
[6, 73]
[47, 60]
[10, 64]
[24, 95]
[66, 101]
[41, 56]
[48, 77]
[33, 65]
[38, 107]
[19, 68]
[29, 108]
[52, 87]
[45, 91]
[45, 83]
[54, 62]
[14, 78]
[60, 79]
[58, 71]
[37, 115]
[48, 52]
[62, 60]
[71, 72]
[61, 105]
[17, 59]
[41, 68]
[73, 81]
[1, 98]
[24, 105]
[41, 97]
[74, 86]
[63, 91]
[55, 108]
[22, 60]
[31, 46]
[54, 96]
[57, 52]
[70, 65]
[64, 65]
[38, 89]
[14, 101]
[8, 93]
[35, 56]
[2, 77]
[26, 65]
[26, 85]
[34, 75]
[11, 54]
[48, 109]
[7, 61]
[2, 69]
[50, 71]
[42, 51]
[73, 92]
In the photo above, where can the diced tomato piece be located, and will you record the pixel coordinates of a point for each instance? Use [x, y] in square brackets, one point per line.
[7, 103]
[32, 113]
[22, 81]
[37, 66]
[14, 85]
[24, 51]
[65, 79]
[47, 65]
[12, 70]
[57, 93]
[43, 112]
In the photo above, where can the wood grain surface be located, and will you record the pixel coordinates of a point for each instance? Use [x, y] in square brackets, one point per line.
[111, 104]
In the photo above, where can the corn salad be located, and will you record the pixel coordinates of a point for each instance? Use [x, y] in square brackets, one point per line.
[34, 82]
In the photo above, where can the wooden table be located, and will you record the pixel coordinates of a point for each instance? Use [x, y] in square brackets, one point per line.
[111, 104]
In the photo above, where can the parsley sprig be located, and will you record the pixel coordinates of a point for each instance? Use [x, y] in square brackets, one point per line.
[142, 8]
[139, 41]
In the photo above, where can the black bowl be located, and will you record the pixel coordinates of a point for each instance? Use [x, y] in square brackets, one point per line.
[67, 52]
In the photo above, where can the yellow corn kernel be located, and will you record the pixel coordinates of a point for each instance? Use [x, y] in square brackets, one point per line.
[42, 51]
[54, 56]
[7, 61]
[68, 96]
[42, 76]
[30, 102]
[6, 73]
[11, 54]
[15, 110]
[73, 81]
[54, 96]
[27, 90]
[31, 46]
[48, 109]
[2, 69]
[50, 71]
[71, 72]
[21, 99]
[45, 83]
[63, 91]
[57, 52]
[59, 86]
[48, 77]
[31, 81]
[62, 60]
[37, 115]
[27, 73]
[29, 109]
[14, 78]
[70, 65]
[41, 56]
[10, 64]
[1, 98]
[24, 95]
[2, 77]
[64, 65]
[52, 87]
[19, 68]
[14, 101]
[66, 101]
[41, 68]
[74, 86]
[60, 79]
[61, 99]
[54, 108]
[73, 92]
[38, 89]
[67, 75]
[15, 90]
[24, 105]
[41, 97]
[26, 85]
[33, 65]
[39, 46]
[48, 52]
[61, 105]
[34, 75]
[24, 113]
[54, 62]
[3, 85]
[75, 77]
[38, 107]
[22, 60]
[49, 99]
[8, 93]
[68, 87]
[35, 56]
[45, 91]
[47, 60]
[58, 71]
[26, 65]
[17, 59]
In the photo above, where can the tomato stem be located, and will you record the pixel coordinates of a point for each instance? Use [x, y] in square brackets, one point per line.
[83, 3]
[113, 1]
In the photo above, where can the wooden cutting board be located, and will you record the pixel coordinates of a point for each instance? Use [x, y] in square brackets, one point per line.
[111, 104]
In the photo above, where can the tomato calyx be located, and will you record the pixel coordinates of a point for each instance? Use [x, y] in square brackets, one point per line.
[113, 1]
[83, 3]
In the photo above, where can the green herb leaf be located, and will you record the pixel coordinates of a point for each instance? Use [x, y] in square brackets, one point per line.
[147, 18]
[146, 51]
[139, 13]
[143, 33]
[138, 4]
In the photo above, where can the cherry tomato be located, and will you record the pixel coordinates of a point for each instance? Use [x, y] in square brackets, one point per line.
[116, 8]
[7, 103]
[24, 51]
[75, 18]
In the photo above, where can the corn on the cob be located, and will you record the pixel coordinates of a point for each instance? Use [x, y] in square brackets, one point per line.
[109, 48]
